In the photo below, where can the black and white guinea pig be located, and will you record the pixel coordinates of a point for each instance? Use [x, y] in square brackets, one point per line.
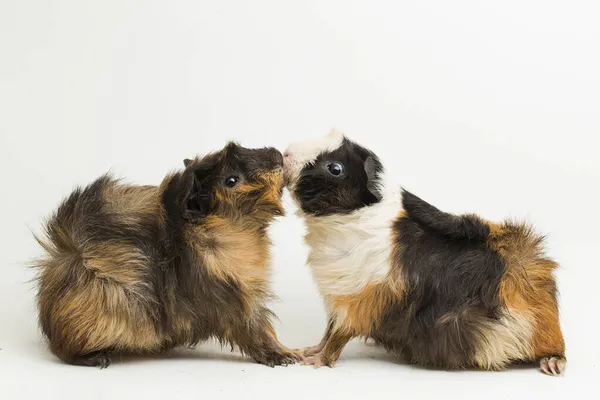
[445, 291]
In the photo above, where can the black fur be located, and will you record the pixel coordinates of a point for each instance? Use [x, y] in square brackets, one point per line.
[320, 193]
[240, 162]
[452, 279]
[454, 226]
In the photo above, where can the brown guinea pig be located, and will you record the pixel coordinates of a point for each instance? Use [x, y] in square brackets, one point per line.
[447, 291]
[134, 269]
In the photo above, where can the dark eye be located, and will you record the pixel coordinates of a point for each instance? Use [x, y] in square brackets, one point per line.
[231, 181]
[335, 168]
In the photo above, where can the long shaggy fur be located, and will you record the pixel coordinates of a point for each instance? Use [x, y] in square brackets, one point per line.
[133, 269]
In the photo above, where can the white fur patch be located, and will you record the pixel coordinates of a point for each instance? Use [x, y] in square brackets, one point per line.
[299, 154]
[504, 340]
[347, 252]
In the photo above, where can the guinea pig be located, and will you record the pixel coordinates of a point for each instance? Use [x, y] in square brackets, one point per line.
[138, 269]
[442, 290]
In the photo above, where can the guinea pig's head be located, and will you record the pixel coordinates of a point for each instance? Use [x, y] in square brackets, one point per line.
[234, 183]
[332, 175]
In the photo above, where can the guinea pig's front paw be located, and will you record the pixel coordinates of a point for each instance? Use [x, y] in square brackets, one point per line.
[318, 361]
[296, 355]
[100, 359]
[283, 358]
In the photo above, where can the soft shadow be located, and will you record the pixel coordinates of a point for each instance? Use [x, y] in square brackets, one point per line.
[198, 354]
[370, 350]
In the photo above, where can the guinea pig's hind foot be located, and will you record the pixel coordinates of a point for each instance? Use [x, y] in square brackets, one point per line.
[554, 365]
[100, 359]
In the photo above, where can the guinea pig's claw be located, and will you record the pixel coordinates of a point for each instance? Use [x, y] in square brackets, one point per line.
[553, 365]
[282, 359]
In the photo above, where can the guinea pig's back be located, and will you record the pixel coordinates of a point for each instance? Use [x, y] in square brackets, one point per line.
[94, 281]
[102, 213]
[480, 293]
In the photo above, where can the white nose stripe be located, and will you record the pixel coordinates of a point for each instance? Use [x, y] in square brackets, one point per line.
[308, 151]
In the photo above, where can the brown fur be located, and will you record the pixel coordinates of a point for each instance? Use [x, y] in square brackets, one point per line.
[361, 313]
[231, 251]
[144, 268]
[352, 316]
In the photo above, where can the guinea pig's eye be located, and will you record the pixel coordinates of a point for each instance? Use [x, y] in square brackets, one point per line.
[231, 181]
[335, 168]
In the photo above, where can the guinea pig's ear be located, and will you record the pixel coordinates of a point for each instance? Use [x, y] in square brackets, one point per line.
[197, 202]
[187, 162]
[372, 168]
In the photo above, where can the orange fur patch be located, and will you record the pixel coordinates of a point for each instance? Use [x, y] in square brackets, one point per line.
[528, 285]
[230, 250]
[99, 316]
[362, 312]
[257, 201]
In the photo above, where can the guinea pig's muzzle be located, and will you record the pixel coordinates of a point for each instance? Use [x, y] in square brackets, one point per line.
[271, 158]
[291, 168]
[272, 162]
[276, 158]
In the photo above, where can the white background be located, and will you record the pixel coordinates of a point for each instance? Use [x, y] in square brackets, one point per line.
[490, 107]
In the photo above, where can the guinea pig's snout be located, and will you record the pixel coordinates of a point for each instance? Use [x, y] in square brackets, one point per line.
[287, 158]
[275, 158]
[289, 166]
